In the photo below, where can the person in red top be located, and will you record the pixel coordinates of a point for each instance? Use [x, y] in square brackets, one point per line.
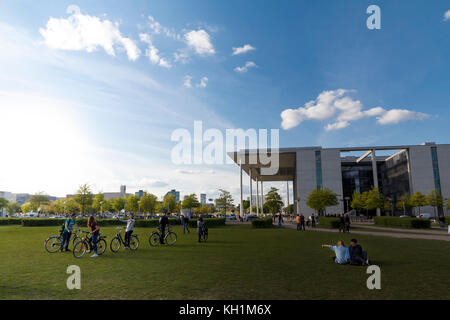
[95, 230]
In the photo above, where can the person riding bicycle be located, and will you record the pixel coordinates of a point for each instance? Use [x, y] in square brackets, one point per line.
[68, 226]
[95, 230]
[163, 222]
[129, 230]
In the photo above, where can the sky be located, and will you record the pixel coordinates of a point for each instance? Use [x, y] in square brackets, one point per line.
[92, 91]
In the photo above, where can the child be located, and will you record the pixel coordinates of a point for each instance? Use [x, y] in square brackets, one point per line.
[95, 230]
[200, 228]
[128, 230]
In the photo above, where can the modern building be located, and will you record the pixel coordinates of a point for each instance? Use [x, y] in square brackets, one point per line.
[175, 193]
[139, 194]
[20, 198]
[395, 170]
[111, 195]
[202, 198]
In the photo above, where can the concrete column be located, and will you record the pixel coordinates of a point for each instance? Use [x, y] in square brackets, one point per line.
[251, 190]
[257, 196]
[375, 175]
[262, 198]
[287, 193]
[241, 207]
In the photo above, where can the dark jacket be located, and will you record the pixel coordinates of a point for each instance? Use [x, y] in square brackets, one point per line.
[355, 251]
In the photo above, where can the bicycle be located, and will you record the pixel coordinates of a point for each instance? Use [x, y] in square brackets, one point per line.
[204, 234]
[53, 243]
[117, 241]
[79, 249]
[169, 238]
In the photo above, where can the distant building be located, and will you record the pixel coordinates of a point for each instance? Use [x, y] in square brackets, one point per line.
[6, 195]
[111, 195]
[139, 194]
[20, 198]
[175, 193]
[202, 198]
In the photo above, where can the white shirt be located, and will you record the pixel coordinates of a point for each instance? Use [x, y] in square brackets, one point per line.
[130, 225]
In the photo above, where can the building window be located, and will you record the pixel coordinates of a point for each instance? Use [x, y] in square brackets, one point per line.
[437, 180]
[318, 170]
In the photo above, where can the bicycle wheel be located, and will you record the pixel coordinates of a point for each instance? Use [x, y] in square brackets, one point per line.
[75, 240]
[134, 242]
[115, 244]
[101, 246]
[79, 249]
[171, 238]
[52, 244]
[154, 239]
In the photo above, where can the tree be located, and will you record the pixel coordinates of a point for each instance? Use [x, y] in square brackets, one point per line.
[12, 208]
[373, 200]
[387, 205]
[404, 202]
[290, 209]
[132, 204]
[358, 201]
[418, 200]
[320, 199]
[169, 203]
[38, 200]
[3, 203]
[98, 203]
[245, 204]
[224, 201]
[448, 204]
[435, 200]
[273, 201]
[148, 203]
[84, 198]
[118, 204]
[190, 202]
[26, 207]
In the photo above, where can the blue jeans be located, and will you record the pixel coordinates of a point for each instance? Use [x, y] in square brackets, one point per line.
[186, 227]
[65, 240]
[93, 239]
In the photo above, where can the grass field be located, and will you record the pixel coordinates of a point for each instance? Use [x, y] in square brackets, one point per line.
[238, 262]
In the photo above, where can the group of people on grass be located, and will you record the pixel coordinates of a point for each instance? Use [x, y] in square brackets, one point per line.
[70, 223]
[354, 254]
[300, 219]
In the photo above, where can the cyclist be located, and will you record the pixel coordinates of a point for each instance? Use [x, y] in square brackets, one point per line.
[68, 226]
[95, 230]
[129, 230]
[163, 222]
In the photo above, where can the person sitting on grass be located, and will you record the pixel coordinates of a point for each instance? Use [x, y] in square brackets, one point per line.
[342, 253]
[68, 226]
[358, 257]
[200, 228]
[95, 230]
[129, 230]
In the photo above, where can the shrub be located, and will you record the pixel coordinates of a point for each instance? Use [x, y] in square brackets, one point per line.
[262, 223]
[327, 222]
[208, 222]
[447, 221]
[82, 222]
[41, 222]
[10, 221]
[409, 223]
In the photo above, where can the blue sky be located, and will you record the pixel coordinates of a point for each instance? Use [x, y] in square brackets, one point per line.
[99, 105]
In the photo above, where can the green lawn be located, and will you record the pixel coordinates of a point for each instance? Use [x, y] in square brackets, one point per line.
[237, 263]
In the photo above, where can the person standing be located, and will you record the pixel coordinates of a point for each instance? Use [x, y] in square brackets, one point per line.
[95, 230]
[442, 221]
[200, 228]
[68, 226]
[298, 222]
[185, 224]
[341, 223]
[347, 223]
[313, 221]
[280, 220]
[163, 222]
[302, 222]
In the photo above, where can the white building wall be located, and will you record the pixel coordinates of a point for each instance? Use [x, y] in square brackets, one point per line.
[306, 177]
[332, 176]
[443, 152]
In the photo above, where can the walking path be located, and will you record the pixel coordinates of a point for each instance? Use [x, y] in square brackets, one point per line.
[404, 235]
[372, 226]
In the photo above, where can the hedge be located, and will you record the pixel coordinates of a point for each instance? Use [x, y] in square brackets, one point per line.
[327, 222]
[262, 223]
[447, 221]
[6, 221]
[208, 222]
[410, 223]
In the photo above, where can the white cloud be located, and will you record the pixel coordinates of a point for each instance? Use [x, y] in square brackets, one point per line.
[181, 56]
[200, 42]
[244, 68]
[203, 82]
[153, 53]
[83, 32]
[395, 116]
[337, 105]
[187, 81]
[447, 15]
[157, 28]
[241, 50]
